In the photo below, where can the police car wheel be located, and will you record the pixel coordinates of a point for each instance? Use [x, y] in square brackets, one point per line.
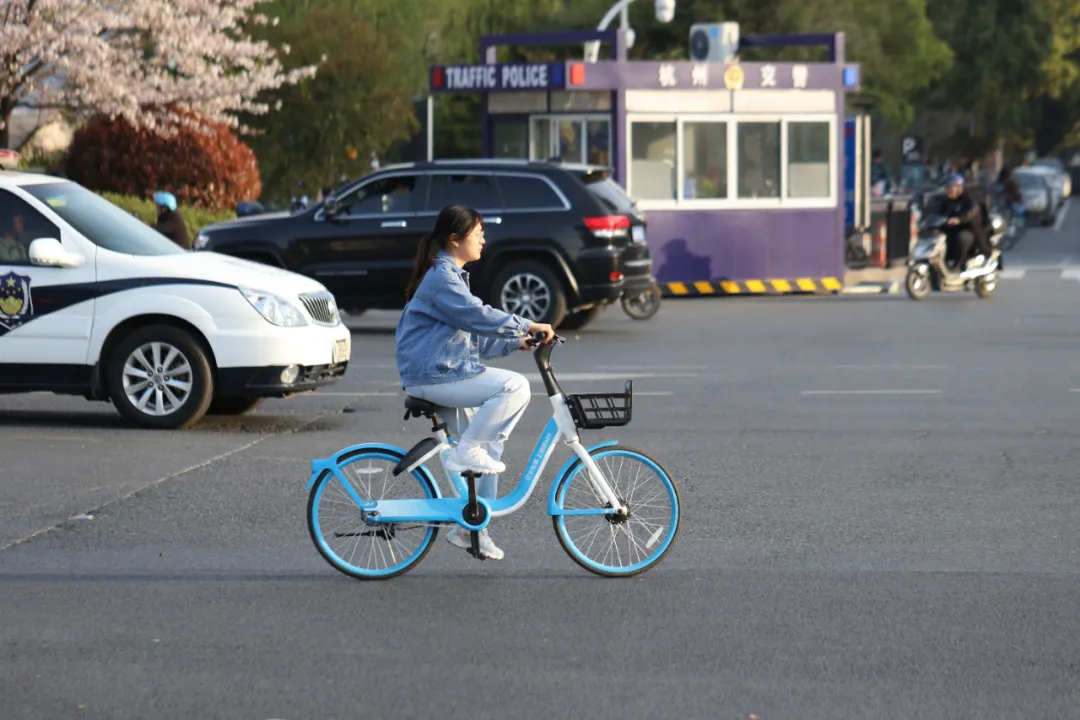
[159, 377]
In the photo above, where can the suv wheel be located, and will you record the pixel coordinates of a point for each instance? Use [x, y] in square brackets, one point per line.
[530, 290]
[159, 377]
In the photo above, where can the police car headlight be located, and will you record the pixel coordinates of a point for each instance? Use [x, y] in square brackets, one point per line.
[277, 310]
[201, 241]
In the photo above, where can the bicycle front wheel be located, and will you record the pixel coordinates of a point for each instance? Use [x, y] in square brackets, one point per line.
[358, 547]
[606, 544]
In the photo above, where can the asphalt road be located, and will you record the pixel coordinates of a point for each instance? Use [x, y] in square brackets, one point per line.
[880, 520]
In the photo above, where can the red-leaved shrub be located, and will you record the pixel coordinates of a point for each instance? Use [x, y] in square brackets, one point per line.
[206, 167]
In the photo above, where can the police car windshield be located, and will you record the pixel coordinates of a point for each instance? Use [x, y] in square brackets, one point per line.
[101, 222]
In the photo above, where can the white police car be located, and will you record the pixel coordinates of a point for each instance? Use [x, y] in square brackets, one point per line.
[94, 302]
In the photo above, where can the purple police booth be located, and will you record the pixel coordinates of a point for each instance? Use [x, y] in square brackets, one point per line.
[738, 167]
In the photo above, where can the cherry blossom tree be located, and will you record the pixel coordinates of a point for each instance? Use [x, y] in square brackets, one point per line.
[137, 59]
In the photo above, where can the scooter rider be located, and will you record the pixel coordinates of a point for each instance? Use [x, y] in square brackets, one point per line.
[964, 225]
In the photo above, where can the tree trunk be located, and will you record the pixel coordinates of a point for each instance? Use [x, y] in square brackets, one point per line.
[1053, 125]
[7, 105]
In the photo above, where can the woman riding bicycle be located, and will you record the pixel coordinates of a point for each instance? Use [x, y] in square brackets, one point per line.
[443, 334]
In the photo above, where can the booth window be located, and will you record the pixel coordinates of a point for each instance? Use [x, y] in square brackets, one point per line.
[808, 160]
[511, 138]
[528, 193]
[477, 191]
[759, 159]
[653, 168]
[705, 161]
[732, 160]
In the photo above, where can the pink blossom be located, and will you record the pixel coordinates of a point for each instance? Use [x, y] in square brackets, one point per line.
[89, 56]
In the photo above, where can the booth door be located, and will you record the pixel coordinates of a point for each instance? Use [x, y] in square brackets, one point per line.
[574, 138]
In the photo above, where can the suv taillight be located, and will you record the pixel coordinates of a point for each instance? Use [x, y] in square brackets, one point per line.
[608, 226]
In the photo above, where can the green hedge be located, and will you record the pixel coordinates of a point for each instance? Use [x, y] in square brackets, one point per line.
[195, 218]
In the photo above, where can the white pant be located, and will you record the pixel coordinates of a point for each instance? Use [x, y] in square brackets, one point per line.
[480, 410]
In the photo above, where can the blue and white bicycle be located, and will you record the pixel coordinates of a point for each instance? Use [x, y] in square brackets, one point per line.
[374, 510]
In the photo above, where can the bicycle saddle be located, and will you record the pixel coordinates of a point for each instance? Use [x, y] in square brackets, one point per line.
[415, 407]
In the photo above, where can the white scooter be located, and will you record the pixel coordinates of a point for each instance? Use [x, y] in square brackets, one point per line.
[928, 270]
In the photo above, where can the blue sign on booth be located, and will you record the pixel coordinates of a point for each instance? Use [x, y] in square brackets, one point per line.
[503, 77]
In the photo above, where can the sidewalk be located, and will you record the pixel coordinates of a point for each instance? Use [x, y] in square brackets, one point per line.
[874, 280]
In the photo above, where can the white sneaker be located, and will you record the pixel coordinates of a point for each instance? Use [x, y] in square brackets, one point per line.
[462, 538]
[473, 458]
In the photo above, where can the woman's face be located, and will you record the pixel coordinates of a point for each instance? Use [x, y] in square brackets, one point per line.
[468, 248]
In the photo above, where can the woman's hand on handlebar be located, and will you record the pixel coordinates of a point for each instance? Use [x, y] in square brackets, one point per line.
[543, 329]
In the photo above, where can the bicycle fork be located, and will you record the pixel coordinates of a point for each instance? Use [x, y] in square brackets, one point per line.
[600, 485]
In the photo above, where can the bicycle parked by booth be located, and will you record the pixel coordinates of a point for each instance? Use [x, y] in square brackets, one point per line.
[374, 510]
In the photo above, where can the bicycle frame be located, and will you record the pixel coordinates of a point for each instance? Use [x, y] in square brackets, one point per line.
[449, 509]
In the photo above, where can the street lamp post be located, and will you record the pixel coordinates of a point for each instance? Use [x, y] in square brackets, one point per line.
[665, 11]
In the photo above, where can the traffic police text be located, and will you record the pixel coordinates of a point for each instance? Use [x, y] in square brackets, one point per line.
[497, 77]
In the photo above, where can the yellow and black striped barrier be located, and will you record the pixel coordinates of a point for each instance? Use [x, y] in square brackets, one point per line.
[752, 287]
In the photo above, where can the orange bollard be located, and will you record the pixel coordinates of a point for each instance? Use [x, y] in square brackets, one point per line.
[878, 252]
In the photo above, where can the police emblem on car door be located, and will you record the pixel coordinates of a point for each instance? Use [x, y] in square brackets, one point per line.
[16, 303]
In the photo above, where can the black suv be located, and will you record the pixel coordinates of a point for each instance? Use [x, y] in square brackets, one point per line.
[563, 241]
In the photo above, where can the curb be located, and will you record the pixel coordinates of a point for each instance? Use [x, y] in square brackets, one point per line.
[872, 288]
[772, 286]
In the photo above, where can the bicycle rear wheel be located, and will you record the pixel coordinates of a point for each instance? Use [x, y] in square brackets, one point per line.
[611, 546]
[358, 547]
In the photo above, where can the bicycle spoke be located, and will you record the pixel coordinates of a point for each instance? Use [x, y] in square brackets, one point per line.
[614, 543]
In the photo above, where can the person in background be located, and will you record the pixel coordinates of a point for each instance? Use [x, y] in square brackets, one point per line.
[964, 225]
[1009, 186]
[879, 173]
[13, 242]
[170, 223]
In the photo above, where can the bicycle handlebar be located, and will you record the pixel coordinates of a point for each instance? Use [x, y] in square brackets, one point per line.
[535, 340]
[543, 361]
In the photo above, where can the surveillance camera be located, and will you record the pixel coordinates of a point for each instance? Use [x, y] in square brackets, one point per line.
[665, 10]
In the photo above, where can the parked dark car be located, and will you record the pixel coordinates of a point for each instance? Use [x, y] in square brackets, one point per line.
[563, 240]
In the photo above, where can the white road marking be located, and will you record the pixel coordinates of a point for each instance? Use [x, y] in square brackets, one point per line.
[1061, 216]
[144, 485]
[1012, 273]
[870, 392]
[564, 377]
[647, 393]
[891, 367]
[657, 367]
[345, 394]
[51, 438]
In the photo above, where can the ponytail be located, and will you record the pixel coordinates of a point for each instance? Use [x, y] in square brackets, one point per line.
[453, 221]
[425, 258]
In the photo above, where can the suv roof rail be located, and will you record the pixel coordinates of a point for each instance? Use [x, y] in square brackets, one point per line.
[495, 162]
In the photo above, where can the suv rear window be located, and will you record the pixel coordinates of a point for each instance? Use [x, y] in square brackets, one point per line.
[527, 193]
[476, 191]
[607, 191]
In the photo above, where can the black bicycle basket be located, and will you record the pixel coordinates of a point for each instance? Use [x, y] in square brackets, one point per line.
[599, 410]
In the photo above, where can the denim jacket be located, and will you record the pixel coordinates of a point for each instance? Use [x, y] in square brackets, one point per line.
[445, 329]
